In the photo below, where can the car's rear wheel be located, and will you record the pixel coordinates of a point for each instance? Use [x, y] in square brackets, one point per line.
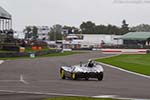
[73, 76]
[62, 74]
[100, 76]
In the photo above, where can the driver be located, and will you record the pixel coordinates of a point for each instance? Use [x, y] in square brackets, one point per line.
[90, 63]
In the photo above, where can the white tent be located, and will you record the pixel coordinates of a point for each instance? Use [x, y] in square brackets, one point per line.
[4, 14]
[5, 20]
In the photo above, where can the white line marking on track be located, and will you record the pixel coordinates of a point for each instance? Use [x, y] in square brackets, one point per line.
[22, 80]
[116, 97]
[63, 94]
[42, 93]
[124, 70]
[104, 96]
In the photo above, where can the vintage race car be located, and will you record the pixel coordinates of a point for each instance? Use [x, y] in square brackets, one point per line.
[82, 71]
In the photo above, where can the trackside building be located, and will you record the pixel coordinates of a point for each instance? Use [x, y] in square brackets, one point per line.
[136, 39]
[5, 20]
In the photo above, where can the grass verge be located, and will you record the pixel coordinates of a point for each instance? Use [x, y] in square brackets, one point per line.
[139, 63]
[48, 55]
[77, 98]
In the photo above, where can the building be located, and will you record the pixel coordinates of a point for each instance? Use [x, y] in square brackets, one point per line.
[136, 39]
[98, 39]
[43, 32]
[6, 32]
[19, 35]
[91, 40]
[5, 20]
[73, 41]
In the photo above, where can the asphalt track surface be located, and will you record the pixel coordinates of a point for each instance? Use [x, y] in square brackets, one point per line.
[34, 79]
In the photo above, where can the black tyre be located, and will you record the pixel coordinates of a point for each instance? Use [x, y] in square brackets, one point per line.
[100, 76]
[62, 74]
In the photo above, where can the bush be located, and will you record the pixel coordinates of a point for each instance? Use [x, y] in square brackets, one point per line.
[11, 48]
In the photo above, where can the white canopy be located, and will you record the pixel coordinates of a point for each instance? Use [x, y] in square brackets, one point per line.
[4, 14]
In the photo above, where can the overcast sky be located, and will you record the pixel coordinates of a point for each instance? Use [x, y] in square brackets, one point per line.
[74, 12]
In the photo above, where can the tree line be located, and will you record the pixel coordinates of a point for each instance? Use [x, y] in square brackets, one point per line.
[58, 31]
[91, 28]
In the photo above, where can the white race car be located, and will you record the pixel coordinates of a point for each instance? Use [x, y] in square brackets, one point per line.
[82, 71]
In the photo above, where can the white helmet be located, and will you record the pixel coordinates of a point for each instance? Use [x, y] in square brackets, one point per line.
[90, 60]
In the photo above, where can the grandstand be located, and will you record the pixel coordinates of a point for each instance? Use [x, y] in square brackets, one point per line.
[5, 20]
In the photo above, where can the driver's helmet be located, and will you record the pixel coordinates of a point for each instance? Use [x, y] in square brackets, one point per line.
[90, 63]
[90, 60]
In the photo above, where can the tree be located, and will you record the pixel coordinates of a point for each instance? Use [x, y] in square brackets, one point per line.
[87, 27]
[141, 28]
[27, 31]
[101, 29]
[31, 32]
[112, 29]
[124, 28]
[71, 30]
[56, 32]
[90, 28]
[34, 32]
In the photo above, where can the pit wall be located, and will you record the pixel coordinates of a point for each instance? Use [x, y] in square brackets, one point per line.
[143, 51]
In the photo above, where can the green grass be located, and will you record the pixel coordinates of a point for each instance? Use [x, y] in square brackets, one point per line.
[76, 98]
[139, 63]
[48, 55]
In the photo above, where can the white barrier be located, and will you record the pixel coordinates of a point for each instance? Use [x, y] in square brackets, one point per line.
[125, 50]
[1, 61]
